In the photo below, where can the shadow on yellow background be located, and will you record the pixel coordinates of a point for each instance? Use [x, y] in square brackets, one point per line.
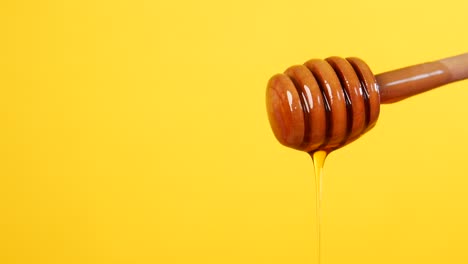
[136, 132]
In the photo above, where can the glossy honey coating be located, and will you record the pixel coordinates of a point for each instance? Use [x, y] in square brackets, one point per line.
[323, 104]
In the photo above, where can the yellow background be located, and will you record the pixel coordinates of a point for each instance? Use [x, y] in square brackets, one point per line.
[136, 132]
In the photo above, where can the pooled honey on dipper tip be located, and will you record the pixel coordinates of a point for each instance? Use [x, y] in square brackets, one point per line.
[284, 111]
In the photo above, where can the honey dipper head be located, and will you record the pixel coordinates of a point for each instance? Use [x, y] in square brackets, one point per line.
[323, 104]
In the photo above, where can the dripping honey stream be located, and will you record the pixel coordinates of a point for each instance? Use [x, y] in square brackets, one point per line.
[318, 159]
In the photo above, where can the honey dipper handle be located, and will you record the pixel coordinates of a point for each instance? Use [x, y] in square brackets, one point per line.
[402, 83]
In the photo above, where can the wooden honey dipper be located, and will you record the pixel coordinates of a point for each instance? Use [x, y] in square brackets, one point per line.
[326, 104]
